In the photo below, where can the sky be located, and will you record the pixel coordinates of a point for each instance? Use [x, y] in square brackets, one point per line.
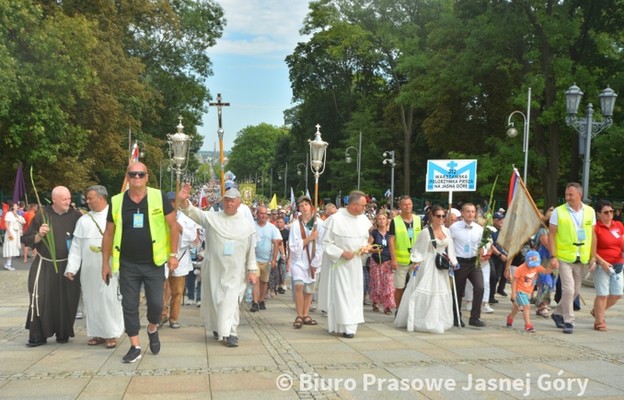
[249, 67]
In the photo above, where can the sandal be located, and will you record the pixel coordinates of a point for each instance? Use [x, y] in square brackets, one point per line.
[602, 327]
[309, 321]
[375, 308]
[111, 343]
[388, 311]
[96, 341]
[298, 323]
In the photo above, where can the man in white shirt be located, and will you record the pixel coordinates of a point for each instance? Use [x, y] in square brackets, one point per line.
[467, 235]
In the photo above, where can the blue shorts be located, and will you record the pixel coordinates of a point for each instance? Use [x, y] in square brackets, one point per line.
[522, 299]
[606, 284]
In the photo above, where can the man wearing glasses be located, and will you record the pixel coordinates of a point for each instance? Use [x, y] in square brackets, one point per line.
[141, 235]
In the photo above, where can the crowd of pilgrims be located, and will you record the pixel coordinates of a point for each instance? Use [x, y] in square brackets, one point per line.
[400, 272]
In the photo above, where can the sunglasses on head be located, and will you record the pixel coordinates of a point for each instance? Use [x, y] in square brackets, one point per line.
[137, 174]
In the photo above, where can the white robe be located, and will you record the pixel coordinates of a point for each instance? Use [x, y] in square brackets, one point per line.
[342, 280]
[299, 263]
[230, 254]
[14, 223]
[427, 303]
[187, 238]
[101, 303]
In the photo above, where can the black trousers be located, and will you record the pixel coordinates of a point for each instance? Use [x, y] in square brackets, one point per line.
[468, 271]
[497, 278]
[131, 277]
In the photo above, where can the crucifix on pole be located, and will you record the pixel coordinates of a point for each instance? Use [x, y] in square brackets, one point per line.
[219, 104]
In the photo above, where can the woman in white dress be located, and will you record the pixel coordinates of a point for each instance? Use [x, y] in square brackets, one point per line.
[12, 237]
[427, 303]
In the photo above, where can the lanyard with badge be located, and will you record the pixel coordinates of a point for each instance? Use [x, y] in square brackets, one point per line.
[138, 219]
[580, 232]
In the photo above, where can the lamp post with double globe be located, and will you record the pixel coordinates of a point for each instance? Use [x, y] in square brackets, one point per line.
[586, 126]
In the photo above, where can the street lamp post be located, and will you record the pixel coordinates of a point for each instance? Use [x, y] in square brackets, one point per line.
[359, 159]
[286, 180]
[318, 149]
[390, 160]
[512, 132]
[586, 126]
[179, 149]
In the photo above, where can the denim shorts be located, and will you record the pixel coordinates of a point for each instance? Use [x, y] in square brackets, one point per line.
[606, 284]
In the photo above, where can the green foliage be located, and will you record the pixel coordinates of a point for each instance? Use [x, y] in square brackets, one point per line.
[76, 76]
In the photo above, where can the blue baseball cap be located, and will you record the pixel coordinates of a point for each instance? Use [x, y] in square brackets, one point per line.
[533, 259]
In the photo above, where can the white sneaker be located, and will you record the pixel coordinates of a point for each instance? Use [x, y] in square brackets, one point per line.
[485, 308]
[189, 302]
[9, 267]
[468, 306]
[79, 315]
[199, 304]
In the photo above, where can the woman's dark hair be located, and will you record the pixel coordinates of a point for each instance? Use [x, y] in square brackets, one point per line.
[600, 204]
[435, 208]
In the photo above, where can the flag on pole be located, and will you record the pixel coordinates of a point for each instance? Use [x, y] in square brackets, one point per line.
[203, 200]
[273, 203]
[521, 220]
[19, 190]
[293, 201]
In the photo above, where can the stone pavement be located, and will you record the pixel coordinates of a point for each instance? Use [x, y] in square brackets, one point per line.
[275, 361]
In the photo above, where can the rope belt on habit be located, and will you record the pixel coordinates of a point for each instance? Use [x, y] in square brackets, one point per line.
[34, 298]
[47, 259]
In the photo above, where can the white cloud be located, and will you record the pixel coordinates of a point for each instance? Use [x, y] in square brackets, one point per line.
[261, 27]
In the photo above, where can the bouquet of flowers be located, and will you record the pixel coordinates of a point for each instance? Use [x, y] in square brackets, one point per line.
[488, 228]
[362, 250]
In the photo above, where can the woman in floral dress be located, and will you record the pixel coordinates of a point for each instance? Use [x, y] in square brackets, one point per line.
[381, 275]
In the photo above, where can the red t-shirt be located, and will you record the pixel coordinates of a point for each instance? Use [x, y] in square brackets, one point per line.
[609, 241]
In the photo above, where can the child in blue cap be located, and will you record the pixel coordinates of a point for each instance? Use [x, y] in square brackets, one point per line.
[524, 279]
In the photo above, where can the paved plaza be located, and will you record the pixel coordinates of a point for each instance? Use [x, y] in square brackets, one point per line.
[275, 361]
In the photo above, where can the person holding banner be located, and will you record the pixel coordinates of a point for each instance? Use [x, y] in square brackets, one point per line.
[572, 246]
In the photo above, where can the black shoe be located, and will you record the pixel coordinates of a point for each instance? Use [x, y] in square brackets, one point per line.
[232, 341]
[261, 305]
[456, 324]
[254, 307]
[154, 342]
[281, 290]
[132, 355]
[348, 335]
[493, 301]
[476, 322]
[62, 340]
[502, 292]
[558, 320]
[215, 335]
[36, 343]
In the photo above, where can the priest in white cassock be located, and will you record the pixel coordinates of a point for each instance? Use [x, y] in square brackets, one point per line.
[101, 302]
[344, 242]
[230, 262]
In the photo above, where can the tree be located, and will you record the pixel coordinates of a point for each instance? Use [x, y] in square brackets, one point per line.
[254, 151]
